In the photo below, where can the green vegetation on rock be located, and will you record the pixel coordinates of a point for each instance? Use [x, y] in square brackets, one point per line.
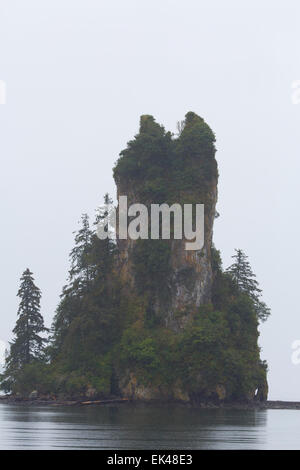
[110, 335]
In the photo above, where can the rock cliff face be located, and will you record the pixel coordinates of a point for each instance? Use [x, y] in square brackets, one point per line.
[189, 334]
[185, 171]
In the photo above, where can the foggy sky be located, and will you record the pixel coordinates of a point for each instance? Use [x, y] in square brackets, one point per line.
[79, 73]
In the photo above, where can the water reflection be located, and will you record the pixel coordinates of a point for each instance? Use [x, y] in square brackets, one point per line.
[144, 427]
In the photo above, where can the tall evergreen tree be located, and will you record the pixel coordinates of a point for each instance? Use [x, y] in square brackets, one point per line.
[83, 299]
[80, 277]
[244, 278]
[81, 272]
[28, 345]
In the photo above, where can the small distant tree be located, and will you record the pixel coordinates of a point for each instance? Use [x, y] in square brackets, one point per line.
[244, 278]
[28, 346]
[180, 126]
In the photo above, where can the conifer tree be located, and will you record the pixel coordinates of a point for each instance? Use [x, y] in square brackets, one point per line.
[28, 345]
[80, 278]
[244, 278]
[81, 272]
[91, 262]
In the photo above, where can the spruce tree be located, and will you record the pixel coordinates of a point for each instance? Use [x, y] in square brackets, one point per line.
[28, 345]
[80, 277]
[81, 272]
[91, 263]
[244, 278]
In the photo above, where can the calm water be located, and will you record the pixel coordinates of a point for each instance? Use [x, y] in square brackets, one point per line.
[146, 427]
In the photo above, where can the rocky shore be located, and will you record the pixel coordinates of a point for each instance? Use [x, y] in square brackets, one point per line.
[270, 404]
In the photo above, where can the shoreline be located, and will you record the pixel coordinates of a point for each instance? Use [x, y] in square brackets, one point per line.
[267, 405]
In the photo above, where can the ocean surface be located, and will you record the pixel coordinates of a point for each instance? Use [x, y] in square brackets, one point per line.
[146, 427]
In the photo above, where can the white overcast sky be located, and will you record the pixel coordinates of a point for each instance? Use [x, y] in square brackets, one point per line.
[79, 73]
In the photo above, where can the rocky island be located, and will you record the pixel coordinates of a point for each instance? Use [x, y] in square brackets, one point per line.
[147, 319]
